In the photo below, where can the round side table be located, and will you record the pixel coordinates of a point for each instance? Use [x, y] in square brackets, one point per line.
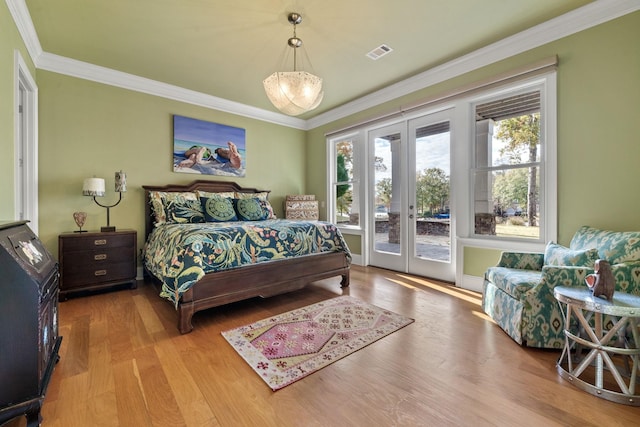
[620, 343]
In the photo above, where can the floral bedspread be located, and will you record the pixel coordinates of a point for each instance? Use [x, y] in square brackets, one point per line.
[181, 254]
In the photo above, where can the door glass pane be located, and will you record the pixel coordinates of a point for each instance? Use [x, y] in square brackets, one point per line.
[387, 193]
[432, 213]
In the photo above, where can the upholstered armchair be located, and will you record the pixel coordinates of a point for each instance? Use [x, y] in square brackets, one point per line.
[518, 292]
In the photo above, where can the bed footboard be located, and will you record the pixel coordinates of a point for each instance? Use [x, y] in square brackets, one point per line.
[260, 280]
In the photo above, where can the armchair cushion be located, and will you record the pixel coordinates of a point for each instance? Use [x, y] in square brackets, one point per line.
[556, 254]
[513, 281]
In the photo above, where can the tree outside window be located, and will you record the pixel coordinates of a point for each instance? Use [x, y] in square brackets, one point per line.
[507, 174]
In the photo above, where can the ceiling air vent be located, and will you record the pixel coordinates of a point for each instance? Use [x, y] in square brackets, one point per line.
[379, 52]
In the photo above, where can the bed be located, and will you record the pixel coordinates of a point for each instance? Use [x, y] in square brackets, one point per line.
[199, 264]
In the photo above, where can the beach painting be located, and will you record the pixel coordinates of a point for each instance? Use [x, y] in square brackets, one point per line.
[207, 148]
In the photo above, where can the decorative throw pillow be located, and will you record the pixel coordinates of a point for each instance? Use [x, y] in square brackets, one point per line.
[249, 209]
[218, 209]
[266, 206]
[184, 212]
[155, 200]
[160, 199]
[263, 196]
[556, 254]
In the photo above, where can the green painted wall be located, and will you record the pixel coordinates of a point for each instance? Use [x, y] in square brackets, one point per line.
[10, 40]
[476, 260]
[598, 144]
[89, 129]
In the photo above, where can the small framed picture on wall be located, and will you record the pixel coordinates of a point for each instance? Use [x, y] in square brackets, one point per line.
[201, 147]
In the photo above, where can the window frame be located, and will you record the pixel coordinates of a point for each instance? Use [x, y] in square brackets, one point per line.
[356, 182]
[546, 85]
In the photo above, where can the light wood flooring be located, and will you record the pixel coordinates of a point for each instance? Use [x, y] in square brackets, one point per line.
[123, 363]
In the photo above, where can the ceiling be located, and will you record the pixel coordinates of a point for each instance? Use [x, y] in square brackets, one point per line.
[225, 48]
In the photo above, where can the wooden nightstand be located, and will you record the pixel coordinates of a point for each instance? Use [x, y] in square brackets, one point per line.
[91, 261]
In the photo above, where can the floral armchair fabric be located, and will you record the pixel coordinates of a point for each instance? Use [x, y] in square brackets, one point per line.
[518, 292]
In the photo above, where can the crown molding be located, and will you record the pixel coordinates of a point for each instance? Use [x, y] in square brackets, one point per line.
[84, 70]
[22, 18]
[588, 16]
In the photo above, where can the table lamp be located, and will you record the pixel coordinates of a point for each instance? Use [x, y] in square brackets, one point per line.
[94, 187]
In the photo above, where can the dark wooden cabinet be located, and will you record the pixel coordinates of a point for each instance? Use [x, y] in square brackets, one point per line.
[92, 261]
[29, 340]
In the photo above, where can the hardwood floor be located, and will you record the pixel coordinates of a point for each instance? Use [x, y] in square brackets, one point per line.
[123, 363]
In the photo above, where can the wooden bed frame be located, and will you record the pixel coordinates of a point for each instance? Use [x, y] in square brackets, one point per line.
[263, 280]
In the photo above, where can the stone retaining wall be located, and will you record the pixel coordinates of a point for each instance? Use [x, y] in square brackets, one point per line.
[431, 227]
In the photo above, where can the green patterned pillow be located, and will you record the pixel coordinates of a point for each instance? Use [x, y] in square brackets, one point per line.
[218, 209]
[556, 254]
[159, 201]
[250, 209]
[263, 196]
[183, 212]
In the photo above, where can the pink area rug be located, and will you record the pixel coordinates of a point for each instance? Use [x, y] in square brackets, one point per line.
[292, 345]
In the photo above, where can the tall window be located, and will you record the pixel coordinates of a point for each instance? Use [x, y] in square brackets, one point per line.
[508, 166]
[345, 180]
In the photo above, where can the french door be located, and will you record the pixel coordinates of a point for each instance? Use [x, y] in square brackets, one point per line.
[411, 219]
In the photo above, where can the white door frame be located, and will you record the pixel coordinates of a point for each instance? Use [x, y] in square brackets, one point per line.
[25, 144]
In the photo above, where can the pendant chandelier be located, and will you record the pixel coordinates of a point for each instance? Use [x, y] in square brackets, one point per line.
[294, 92]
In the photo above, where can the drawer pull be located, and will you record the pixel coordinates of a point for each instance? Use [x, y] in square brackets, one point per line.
[99, 242]
[100, 273]
[100, 257]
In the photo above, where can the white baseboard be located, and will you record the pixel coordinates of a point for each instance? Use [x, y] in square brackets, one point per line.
[472, 283]
[356, 260]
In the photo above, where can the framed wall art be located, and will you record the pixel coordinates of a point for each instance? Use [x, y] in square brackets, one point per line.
[201, 147]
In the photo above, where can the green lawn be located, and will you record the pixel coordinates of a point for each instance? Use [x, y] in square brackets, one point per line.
[507, 230]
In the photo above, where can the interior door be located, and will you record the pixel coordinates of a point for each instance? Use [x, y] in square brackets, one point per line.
[410, 215]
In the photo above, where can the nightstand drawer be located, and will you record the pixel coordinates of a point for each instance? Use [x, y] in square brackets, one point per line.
[95, 273]
[98, 242]
[74, 260]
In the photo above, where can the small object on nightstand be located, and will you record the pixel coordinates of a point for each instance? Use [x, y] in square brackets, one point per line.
[80, 218]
